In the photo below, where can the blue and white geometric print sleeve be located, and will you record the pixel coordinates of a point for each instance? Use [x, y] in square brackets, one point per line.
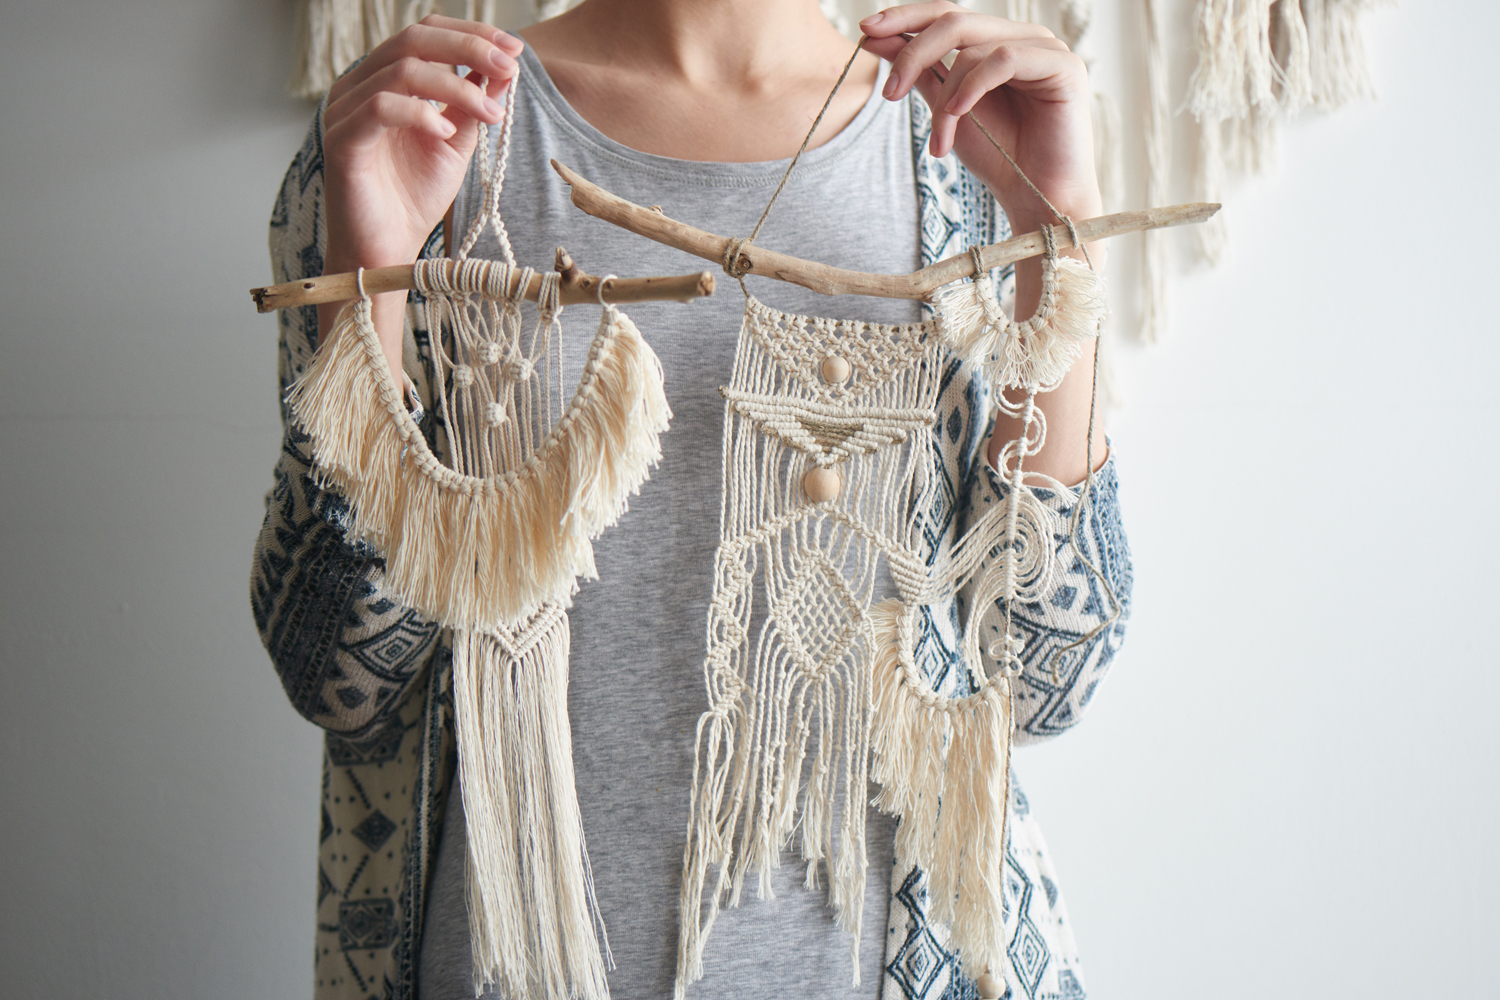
[1072, 633]
[347, 651]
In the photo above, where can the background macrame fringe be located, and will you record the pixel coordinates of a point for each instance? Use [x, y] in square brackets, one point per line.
[331, 34]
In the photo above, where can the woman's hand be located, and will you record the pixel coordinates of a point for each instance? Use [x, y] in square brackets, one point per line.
[1020, 81]
[1033, 96]
[393, 163]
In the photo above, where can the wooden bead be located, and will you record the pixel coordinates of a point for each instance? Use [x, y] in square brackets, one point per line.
[990, 986]
[821, 485]
[836, 369]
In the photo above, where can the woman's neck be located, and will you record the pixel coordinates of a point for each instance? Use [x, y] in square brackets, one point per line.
[728, 80]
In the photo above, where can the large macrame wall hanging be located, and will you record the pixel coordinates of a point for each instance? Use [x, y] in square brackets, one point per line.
[492, 547]
[828, 477]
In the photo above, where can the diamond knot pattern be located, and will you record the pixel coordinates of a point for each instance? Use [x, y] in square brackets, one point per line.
[817, 616]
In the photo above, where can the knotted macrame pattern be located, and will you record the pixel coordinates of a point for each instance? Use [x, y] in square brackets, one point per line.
[492, 545]
[822, 697]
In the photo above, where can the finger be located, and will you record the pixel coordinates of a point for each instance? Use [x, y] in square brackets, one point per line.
[510, 43]
[425, 81]
[915, 17]
[492, 87]
[963, 63]
[950, 30]
[1046, 74]
[944, 125]
[430, 43]
[385, 111]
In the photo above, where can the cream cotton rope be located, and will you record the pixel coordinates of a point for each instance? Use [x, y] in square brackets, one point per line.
[492, 546]
[828, 479]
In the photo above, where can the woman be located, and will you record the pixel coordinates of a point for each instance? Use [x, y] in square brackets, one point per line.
[693, 105]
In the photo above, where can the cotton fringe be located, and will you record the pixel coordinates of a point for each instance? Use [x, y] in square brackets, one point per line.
[1259, 63]
[784, 743]
[1033, 352]
[481, 553]
[534, 925]
[944, 768]
[496, 560]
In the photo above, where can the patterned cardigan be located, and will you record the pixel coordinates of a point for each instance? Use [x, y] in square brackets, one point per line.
[376, 676]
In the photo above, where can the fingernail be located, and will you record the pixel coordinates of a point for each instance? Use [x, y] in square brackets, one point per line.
[492, 107]
[509, 42]
[499, 59]
[872, 19]
[892, 84]
[952, 106]
[449, 129]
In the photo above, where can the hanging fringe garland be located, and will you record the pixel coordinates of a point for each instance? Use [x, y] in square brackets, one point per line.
[492, 547]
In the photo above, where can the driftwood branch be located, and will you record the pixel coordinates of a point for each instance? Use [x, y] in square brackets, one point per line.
[653, 224]
[577, 286]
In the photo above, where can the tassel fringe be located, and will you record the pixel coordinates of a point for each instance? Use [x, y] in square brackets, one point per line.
[534, 925]
[480, 553]
[944, 768]
[1036, 352]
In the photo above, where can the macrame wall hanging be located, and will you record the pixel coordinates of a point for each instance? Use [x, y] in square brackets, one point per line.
[829, 476]
[492, 546]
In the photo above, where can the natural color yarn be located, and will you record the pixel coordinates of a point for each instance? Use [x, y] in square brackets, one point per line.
[828, 479]
[492, 546]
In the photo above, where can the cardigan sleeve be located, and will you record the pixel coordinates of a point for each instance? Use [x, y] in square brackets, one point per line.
[346, 649]
[1072, 632]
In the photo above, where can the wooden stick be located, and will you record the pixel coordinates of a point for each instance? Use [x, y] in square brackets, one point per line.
[577, 287]
[653, 224]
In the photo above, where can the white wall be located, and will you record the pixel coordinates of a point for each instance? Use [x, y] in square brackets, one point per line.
[1289, 786]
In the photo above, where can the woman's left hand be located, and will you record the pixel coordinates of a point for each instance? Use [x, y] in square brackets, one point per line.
[1027, 88]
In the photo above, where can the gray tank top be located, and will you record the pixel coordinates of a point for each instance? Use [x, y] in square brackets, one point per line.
[638, 632]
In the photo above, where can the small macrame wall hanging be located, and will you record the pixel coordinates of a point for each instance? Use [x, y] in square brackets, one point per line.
[492, 545]
[828, 477]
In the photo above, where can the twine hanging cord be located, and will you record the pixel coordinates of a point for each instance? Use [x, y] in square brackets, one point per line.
[737, 268]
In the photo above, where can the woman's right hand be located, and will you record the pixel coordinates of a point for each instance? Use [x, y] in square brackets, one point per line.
[393, 163]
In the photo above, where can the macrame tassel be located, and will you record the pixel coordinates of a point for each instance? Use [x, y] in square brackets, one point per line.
[479, 553]
[534, 925]
[1292, 54]
[944, 769]
[1034, 352]
[1338, 64]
